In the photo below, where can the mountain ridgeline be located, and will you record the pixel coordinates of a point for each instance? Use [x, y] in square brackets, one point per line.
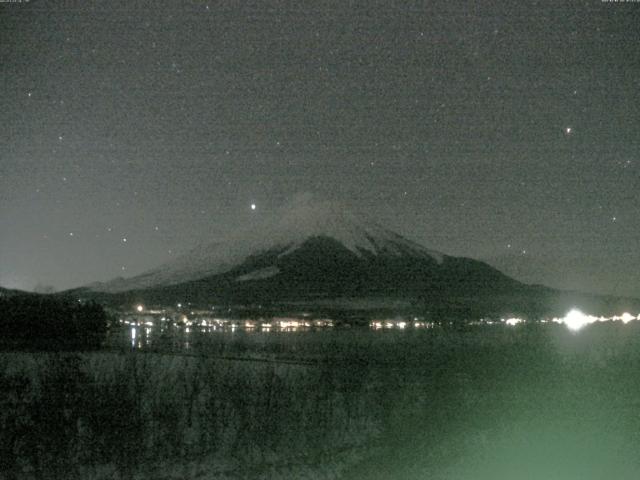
[325, 257]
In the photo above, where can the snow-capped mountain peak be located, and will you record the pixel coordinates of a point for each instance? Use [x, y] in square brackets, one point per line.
[357, 233]
[286, 231]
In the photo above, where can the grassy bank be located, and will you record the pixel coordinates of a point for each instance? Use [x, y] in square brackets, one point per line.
[445, 404]
[105, 415]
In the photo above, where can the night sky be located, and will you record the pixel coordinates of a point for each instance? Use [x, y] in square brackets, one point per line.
[132, 131]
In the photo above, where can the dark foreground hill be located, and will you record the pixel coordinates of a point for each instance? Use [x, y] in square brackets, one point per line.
[44, 322]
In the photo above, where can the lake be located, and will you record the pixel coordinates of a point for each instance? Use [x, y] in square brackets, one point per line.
[510, 401]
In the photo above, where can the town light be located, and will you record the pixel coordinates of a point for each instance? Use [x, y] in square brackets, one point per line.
[575, 320]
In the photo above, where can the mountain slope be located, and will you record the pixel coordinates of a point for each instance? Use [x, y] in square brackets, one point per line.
[591, 273]
[312, 251]
[284, 234]
[315, 254]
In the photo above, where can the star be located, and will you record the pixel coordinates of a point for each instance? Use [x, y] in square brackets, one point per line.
[568, 130]
[29, 94]
[124, 240]
[253, 206]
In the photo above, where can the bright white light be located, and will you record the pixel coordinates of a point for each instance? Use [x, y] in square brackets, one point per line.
[253, 206]
[133, 336]
[140, 308]
[575, 320]
[513, 321]
[627, 317]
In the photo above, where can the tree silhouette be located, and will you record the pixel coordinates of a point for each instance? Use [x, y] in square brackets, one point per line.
[45, 323]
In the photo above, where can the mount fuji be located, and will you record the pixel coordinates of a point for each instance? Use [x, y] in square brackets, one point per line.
[261, 250]
[319, 253]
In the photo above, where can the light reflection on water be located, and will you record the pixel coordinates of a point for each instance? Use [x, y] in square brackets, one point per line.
[203, 335]
[146, 331]
[143, 333]
[183, 336]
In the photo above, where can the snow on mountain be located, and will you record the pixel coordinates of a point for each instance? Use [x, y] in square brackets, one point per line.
[306, 219]
[286, 230]
[260, 274]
